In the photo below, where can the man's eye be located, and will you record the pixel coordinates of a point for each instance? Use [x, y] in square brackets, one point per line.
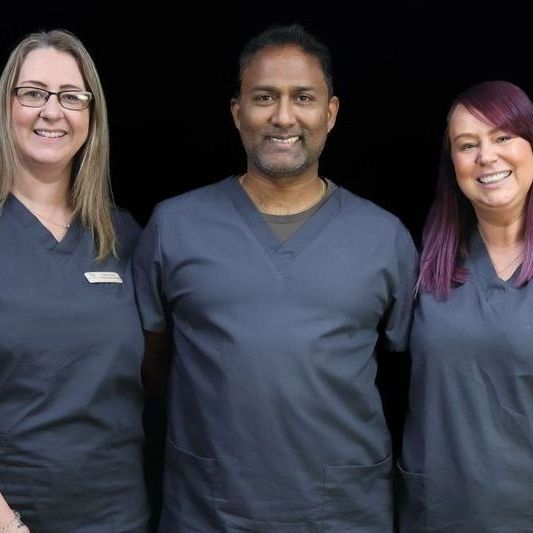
[263, 98]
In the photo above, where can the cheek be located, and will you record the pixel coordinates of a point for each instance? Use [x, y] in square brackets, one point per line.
[22, 126]
[323, 124]
[21, 117]
[525, 165]
[82, 127]
[462, 184]
[253, 123]
[463, 167]
[251, 132]
[528, 175]
[251, 117]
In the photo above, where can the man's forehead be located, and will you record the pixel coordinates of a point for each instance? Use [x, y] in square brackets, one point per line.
[283, 65]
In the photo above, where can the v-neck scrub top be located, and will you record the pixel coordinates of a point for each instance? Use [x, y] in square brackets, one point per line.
[275, 423]
[70, 391]
[468, 444]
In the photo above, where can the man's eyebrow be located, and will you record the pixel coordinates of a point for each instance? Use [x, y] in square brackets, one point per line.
[272, 88]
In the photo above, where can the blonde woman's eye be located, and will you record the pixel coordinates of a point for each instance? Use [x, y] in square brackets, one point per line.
[35, 94]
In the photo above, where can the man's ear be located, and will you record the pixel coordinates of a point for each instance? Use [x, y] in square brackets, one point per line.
[333, 108]
[235, 111]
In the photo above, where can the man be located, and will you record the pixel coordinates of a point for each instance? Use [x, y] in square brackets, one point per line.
[275, 287]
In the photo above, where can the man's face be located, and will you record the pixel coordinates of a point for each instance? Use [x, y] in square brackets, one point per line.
[284, 112]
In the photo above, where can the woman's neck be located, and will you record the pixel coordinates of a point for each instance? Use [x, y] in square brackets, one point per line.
[46, 191]
[502, 234]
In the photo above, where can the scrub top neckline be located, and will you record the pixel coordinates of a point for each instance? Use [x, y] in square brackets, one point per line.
[39, 232]
[281, 253]
[479, 258]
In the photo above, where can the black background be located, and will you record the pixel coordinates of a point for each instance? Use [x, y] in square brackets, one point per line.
[397, 66]
[168, 80]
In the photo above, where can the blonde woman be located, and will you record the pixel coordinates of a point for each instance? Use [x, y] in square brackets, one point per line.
[70, 340]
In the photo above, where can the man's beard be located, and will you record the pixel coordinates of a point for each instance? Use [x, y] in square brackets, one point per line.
[282, 168]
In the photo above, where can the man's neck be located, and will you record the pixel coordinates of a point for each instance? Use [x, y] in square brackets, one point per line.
[283, 196]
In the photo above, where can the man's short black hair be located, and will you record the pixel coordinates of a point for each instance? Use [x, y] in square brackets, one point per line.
[278, 35]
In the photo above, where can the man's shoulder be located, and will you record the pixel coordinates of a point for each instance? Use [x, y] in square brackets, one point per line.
[366, 210]
[370, 223]
[194, 199]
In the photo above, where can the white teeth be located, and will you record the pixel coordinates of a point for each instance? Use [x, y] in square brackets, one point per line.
[494, 178]
[51, 134]
[288, 140]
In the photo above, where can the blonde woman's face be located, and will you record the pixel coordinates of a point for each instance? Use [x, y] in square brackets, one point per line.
[49, 137]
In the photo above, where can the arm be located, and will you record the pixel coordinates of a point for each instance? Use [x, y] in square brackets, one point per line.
[393, 383]
[156, 364]
[8, 522]
[155, 372]
[393, 371]
[149, 274]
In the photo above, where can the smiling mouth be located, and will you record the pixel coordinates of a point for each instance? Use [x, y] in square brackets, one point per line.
[50, 134]
[496, 177]
[283, 140]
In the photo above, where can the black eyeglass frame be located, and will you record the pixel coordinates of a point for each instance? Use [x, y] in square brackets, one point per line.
[88, 94]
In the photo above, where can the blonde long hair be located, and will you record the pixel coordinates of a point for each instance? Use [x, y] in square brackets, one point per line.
[90, 190]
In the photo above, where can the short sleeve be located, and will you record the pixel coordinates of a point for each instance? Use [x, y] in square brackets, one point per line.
[148, 275]
[397, 320]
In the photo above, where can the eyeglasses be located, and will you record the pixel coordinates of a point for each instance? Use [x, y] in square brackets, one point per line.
[34, 97]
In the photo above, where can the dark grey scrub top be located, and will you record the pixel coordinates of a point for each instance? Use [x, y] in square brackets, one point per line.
[468, 444]
[70, 391]
[284, 226]
[275, 423]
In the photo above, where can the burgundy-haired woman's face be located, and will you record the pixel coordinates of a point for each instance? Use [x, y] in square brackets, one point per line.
[494, 168]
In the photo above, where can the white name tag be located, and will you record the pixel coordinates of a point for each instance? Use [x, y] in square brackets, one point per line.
[103, 277]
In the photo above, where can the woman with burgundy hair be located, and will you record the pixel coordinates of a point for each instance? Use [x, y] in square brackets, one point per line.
[467, 460]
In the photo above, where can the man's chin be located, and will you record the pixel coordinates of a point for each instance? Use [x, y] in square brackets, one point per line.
[282, 170]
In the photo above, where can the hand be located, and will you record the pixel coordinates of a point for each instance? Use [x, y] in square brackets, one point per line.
[7, 525]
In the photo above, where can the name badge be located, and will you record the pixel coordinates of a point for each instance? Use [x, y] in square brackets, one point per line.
[103, 277]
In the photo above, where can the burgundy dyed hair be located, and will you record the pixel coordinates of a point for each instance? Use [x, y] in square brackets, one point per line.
[451, 218]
